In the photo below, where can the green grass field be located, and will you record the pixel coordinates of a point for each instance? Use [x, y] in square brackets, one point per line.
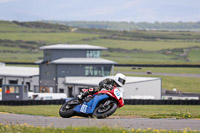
[21, 57]
[21, 44]
[141, 58]
[133, 111]
[149, 46]
[6, 26]
[47, 38]
[143, 45]
[185, 84]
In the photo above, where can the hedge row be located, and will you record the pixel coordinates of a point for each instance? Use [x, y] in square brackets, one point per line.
[126, 101]
[125, 65]
[161, 102]
[33, 102]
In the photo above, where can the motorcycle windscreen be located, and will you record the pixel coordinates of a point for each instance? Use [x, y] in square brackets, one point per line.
[89, 107]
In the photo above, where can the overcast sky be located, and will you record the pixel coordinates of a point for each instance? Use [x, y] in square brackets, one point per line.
[101, 10]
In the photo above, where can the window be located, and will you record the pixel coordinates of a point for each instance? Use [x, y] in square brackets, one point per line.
[88, 71]
[28, 86]
[61, 90]
[97, 71]
[70, 91]
[11, 89]
[1, 82]
[7, 90]
[13, 82]
[25, 89]
[47, 55]
[106, 71]
[47, 73]
[93, 54]
[16, 89]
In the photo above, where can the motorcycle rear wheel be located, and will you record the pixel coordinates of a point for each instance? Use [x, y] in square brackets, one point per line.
[102, 112]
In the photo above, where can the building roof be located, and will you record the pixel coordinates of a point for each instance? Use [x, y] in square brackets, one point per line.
[82, 61]
[73, 46]
[94, 81]
[18, 71]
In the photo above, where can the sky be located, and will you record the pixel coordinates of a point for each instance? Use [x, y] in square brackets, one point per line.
[101, 10]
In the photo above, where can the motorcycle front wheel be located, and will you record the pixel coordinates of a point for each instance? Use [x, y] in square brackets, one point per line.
[104, 110]
[66, 110]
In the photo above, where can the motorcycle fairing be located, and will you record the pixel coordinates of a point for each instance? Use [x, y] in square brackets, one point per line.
[116, 95]
[89, 107]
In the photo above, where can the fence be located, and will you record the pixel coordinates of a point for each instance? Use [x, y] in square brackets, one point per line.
[161, 102]
[32, 102]
[126, 101]
[125, 65]
[158, 65]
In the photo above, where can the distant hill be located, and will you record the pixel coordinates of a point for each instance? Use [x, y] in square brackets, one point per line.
[42, 25]
[128, 26]
[20, 42]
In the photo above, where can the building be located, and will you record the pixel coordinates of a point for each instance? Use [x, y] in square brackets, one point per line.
[64, 60]
[15, 82]
[135, 87]
[69, 69]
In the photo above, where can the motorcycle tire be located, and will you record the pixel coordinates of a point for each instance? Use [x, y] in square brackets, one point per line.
[66, 113]
[103, 114]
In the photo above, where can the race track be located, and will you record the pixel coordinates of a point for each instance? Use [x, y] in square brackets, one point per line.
[165, 74]
[143, 123]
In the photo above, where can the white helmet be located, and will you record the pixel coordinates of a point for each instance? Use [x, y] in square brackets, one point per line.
[120, 79]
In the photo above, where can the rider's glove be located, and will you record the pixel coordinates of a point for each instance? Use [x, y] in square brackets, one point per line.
[109, 87]
[80, 96]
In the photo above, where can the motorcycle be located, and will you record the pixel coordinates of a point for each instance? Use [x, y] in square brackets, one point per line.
[101, 105]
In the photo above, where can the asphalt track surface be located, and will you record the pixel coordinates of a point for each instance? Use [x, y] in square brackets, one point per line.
[143, 123]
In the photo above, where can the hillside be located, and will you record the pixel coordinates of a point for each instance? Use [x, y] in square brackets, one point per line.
[20, 42]
[129, 26]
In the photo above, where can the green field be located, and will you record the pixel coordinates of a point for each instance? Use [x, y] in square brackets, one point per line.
[18, 40]
[20, 57]
[47, 38]
[150, 45]
[132, 111]
[185, 84]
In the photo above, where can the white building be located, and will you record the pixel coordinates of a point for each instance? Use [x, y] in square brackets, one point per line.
[135, 87]
[14, 77]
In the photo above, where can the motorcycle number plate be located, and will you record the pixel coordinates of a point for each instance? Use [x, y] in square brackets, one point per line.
[83, 108]
[117, 93]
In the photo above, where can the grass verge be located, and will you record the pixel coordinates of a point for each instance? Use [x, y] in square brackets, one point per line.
[24, 128]
[160, 111]
[132, 111]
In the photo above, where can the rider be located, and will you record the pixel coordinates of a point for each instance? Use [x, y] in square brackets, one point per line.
[108, 84]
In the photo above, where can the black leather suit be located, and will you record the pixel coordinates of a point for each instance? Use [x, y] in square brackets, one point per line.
[104, 84]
